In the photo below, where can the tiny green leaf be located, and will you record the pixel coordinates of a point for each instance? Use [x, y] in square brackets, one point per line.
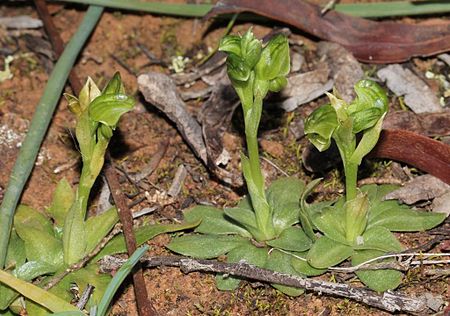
[326, 253]
[205, 246]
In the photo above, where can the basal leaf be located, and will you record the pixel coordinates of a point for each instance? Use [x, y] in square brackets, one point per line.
[142, 234]
[36, 231]
[403, 219]
[108, 108]
[283, 196]
[331, 222]
[27, 217]
[326, 253]
[244, 217]
[74, 234]
[213, 221]
[281, 262]
[97, 227]
[62, 200]
[379, 238]
[302, 266]
[305, 213]
[377, 280]
[205, 246]
[291, 239]
[16, 254]
[42, 247]
[248, 252]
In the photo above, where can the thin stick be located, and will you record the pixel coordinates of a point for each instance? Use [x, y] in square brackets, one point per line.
[56, 41]
[85, 296]
[145, 307]
[389, 301]
[80, 264]
[394, 265]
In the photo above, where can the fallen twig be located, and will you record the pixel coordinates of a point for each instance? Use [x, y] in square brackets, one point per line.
[80, 264]
[144, 305]
[389, 301]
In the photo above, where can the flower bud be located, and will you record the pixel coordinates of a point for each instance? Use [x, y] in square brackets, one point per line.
[274, 61]
[320, 125]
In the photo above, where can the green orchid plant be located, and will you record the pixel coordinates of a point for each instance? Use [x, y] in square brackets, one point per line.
[46, 243]
[262, 229]
[359, 225]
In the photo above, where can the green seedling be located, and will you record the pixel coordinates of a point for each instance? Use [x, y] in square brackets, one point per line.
[41, 245]
[265, 219]
[359, 225]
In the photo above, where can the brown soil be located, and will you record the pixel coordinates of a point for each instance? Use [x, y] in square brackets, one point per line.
[142, 132]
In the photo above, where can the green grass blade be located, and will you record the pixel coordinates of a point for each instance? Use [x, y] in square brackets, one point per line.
[36, 294]
[394, 8]
[39, 124]
[185, 10]
[118, 279]
[368, 10]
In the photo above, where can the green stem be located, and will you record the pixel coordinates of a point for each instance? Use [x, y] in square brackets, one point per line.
[251, 133]
[351, 174]
[39, 124]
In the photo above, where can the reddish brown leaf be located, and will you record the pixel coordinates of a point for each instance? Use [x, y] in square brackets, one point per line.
[416, 150]
[369, 41]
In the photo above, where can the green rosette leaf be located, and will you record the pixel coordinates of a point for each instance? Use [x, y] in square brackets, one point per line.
[205, 246]
[326, 253]
[246, 252]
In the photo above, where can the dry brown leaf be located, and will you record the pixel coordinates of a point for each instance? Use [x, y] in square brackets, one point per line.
[369, 41]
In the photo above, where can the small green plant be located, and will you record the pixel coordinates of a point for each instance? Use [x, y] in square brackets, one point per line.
[359, 225]
[265, 219]
[62, 308]
[40, 245]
